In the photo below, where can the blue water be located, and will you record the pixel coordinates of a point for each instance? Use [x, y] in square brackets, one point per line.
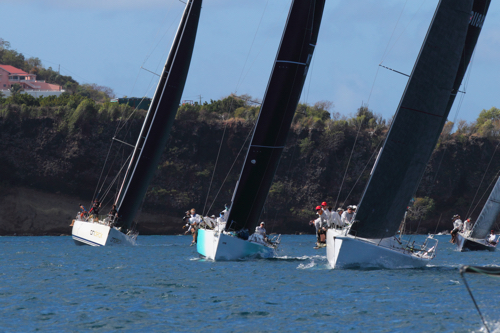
[49, 284]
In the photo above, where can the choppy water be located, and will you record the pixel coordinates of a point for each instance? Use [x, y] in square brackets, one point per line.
[49, 284]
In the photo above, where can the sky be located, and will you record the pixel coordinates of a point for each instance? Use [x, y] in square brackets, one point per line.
[108, 41]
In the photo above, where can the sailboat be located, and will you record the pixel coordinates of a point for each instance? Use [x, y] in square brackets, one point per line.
[370, 240]
[102, 230]
[475, 239]
[229, 238]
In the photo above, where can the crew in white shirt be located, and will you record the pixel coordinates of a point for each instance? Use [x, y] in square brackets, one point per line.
[261, 230]
[492, 238]
[347, 216]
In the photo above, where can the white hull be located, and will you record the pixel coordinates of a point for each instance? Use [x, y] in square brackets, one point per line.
[465, 243]
[216, 245]
[346, 251]
[98, 234]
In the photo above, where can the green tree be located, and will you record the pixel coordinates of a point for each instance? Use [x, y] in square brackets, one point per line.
[15, 89]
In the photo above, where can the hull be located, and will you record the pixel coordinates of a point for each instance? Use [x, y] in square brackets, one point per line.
[214, 245]
[346, 251]
[465, 243]
[97, 234]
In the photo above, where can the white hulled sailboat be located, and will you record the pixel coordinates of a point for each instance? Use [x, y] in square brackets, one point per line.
[101, 231]
[419, 120]
[230, 239]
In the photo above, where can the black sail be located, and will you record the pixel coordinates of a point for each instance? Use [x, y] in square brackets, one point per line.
[276, 114]
[160, 117]
[477, 17]
[417, 124]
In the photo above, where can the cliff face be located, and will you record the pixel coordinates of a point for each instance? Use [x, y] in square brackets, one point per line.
[46, 170]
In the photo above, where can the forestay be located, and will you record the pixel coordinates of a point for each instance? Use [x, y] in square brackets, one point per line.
[417, 124]
[160, 117]
[488, 215]
[276, 114]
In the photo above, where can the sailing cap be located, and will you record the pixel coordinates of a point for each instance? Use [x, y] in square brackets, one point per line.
[350, 207]
[263, 222]
[318, 207]
[323, 203]
[340, 209]
[455, 216]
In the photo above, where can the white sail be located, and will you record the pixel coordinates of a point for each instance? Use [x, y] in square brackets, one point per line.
[489, 214]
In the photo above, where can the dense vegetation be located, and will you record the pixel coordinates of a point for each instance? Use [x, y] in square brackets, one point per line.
[60, 144]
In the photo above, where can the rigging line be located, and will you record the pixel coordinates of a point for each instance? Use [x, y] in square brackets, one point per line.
[287, 179]
[474, 301]
[366, 165]
[485, 191]
[394, 70]
[393, 31]
[251, 45]
[402, 32]
[236, 159]
[148, 55]
[310, 79]
[116, 177]
[215, 167]
[260, 50]
[348, 163]
[102, 170]
[484, 175]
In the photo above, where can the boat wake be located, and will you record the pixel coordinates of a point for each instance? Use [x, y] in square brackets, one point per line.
[302, 258]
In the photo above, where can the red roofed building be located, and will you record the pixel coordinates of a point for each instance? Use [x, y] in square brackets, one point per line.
[10, 75]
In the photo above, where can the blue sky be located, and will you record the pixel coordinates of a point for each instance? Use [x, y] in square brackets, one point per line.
[107, 41]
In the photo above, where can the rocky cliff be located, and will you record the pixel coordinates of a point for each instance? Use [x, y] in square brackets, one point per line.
[47, 168]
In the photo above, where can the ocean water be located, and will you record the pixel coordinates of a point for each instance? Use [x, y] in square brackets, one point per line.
[49, 284]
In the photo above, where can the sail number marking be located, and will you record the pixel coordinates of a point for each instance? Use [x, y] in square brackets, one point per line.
[476, 19]
[96, 233]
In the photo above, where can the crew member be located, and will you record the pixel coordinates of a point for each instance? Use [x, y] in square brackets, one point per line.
[492, 238]
[457, 226]
[347, 216]
[95, 208]
[83, 212]
[261, 229]
[337, 218]
[194, 221]
[321, 223]
[468, 225]
[113, 213]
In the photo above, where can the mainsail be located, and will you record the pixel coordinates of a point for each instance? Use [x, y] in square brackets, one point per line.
[477, 17]
[417, 124]
[276, 114]
[160, 117]
[488, 215]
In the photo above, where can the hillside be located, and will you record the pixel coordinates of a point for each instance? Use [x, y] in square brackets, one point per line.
[53, 151]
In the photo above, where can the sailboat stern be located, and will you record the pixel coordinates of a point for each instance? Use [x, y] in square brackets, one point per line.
[346, 251]
[99, 234]
[472, 244]
[216, 245]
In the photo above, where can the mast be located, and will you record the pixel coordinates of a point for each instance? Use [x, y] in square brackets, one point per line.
[276, 114]
[488, 215]
[160, 117]
[417, 125]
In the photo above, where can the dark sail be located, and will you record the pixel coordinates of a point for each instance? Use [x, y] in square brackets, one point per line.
[417, 124]
[160, 117]
[276, 114]
[477, 17]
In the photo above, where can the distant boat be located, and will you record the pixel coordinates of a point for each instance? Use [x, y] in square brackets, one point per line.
[231, 240]
[475, 239]
[101, 231]
[419, 120]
